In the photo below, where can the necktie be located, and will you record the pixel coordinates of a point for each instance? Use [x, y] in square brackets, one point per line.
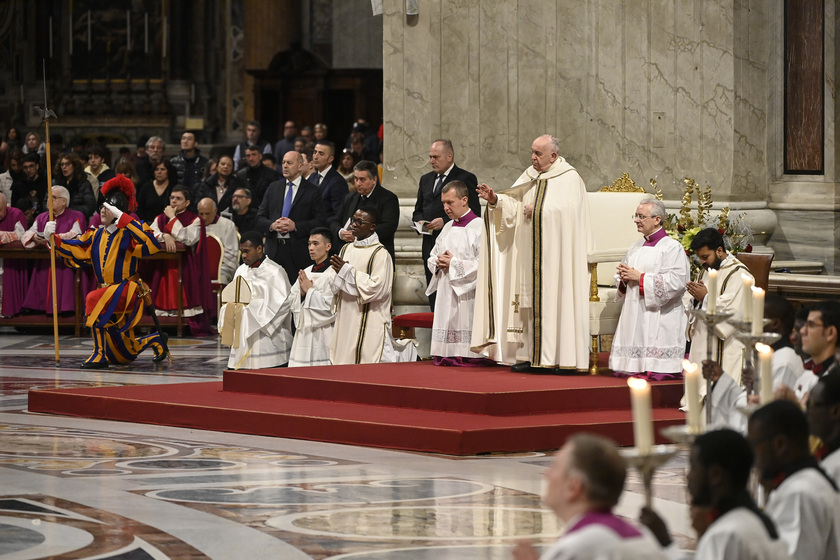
[287, 203]
[317, 179]
[438, 185]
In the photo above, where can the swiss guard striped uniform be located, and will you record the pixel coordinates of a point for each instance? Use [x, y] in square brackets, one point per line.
[115, 308]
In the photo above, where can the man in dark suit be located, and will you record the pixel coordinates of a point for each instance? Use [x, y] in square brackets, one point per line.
[369, 194]
[293, 208]
[332, 184]
[256, 176]
[429, 207]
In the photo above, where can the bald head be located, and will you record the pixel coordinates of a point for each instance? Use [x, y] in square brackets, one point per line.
[207, 210]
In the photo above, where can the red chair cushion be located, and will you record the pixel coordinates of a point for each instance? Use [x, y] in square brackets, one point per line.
[422, 320]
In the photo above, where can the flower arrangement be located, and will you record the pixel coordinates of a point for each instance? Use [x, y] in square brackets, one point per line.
[685, 225]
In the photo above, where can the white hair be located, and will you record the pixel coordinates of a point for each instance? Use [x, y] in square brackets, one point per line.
[61, 192]
[657, 207]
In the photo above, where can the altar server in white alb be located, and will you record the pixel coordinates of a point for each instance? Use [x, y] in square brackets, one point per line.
[362, 288]
[824, 421]
[582, 486]
[532, 295]
[650, 338]
[727, 350]
[453, 263]
[265, 328]
[311, 302]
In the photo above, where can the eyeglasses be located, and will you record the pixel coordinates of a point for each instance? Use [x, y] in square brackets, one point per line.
[640, 217]
[65, 164]
[240, 196]
[358, 222]
[813, 325]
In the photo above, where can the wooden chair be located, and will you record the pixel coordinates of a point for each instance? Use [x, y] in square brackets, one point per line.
[759, 265]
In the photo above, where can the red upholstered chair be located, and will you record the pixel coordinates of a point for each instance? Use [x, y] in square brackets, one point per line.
[215, 252]
[404, 325]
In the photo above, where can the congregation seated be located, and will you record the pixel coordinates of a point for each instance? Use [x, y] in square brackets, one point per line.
[14, 272]
[70, 173]
[225, 231]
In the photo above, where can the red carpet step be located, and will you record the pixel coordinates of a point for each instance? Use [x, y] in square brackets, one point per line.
[413, 406]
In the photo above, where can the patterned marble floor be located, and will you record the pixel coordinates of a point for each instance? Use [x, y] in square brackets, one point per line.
[77, 488]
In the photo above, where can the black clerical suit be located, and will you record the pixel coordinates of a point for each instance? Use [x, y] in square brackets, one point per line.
[333, 190]
[307, 212]
[384, 202]
[429, 207]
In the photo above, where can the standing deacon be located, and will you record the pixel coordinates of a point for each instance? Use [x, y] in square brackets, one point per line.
[453, 264]
[311, 300]
[533, 292]
[265, 329]
[114, 250]
[429, 213]
[650, 338]
[727, 350]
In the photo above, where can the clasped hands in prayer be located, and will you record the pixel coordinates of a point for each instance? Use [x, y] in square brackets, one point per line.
[336, 262]
[627, 274]
[283, 225]
[697, 290]
[489, 195]
[443, 261]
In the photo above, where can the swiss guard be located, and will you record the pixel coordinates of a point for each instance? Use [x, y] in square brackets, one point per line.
[114, 250]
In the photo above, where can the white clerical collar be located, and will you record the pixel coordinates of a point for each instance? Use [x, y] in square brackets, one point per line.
[367, 241]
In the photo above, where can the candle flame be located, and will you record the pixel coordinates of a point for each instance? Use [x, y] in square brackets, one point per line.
[637, 383]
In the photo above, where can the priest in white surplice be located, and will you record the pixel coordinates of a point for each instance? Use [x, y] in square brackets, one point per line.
[726, 349]
[650, 338]
[265, 329]
[311, 302]
[453, 263]
[532, 294]
[362, 304]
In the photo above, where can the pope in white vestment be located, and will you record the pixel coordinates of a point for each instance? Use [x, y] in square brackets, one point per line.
[265, 328]
[532, 292]
[727, 350]
[650, 338]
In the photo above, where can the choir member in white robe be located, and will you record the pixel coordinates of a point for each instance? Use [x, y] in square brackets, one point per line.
[532, 294]
[727, 350]
[728, 522]
[225, 231]
[818, 339]
[311, 300]
[582, 486]
[729, 397]
[650, 338]
[362, 304]
[265, 329]
[824, 421]
[453, 262]
[802, 500]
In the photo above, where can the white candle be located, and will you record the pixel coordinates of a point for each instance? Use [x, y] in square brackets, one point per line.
[128, 30]
[164, 36]
[765, 372]
[89, 36]
[51, 50]
[146, 34]
[748, 284]
[757, 311]
[691, 374]
[711, 302]
[642, 414]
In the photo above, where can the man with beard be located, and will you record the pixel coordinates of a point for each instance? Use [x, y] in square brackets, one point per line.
[155, 146]
[243, 215]
[726, 349]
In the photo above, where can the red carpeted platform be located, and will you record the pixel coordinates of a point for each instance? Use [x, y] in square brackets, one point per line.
[414, 406]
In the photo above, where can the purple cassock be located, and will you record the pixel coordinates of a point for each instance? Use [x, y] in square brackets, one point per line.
[15, 271]
[39, 293]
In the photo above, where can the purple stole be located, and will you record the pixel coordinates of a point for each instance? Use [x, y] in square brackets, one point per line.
[654, 237]
[606, 518]
[15, 277]
[465, 219]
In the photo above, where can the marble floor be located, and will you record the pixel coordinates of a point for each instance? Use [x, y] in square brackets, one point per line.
[78, 488]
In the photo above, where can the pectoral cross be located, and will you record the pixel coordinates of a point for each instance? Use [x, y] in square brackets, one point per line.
[515, 304]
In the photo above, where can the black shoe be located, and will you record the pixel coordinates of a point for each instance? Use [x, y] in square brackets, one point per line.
[94, 365]
[521, 367]
[164, 338]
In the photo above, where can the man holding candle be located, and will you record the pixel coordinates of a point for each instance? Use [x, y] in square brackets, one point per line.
[583, 485]
[802, 500]
[650, 338]
[720, 290]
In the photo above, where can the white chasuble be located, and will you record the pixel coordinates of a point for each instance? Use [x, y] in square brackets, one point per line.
[727, 350]
[314, 320]
[651, 329]
[265, 329]
[362, 303]
[452, 327]
[532, 294]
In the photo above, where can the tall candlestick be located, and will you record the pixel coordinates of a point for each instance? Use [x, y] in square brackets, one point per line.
[748, 284]
[128, 30]
[642, 414]
[146, 35]
[711, 302]
[757, 311]
[89, 35]
[164, 37]
[51, 49]
[765, 372]
[691, 374]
